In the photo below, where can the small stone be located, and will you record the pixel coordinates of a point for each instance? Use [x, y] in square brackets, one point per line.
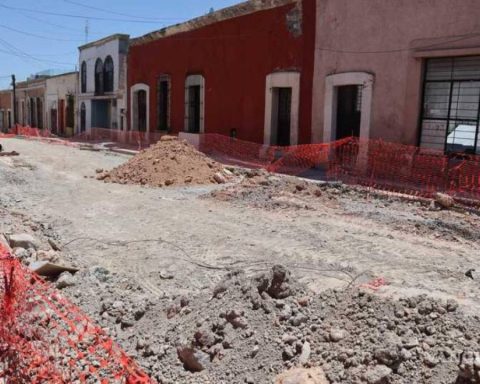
[430, 361]
[302, 376]
[165, 275]
[444, 200]
[305, 355]
[288, 339]
[219, 178]
[337, 335]
[377, 375]
[65, 280]
[193, 360]
[411, 343]
[21, 253]
[23, 240]
[99, 170]
[452, 305]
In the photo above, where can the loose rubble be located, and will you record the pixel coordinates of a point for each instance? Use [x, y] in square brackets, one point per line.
[262, 190]
[169, 162]
[261, 328]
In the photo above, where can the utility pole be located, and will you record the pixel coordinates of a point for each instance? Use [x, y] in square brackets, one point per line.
[87, 31]
[14, 101]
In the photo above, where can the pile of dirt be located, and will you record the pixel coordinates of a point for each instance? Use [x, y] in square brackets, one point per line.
[169, 162]
[251, 329]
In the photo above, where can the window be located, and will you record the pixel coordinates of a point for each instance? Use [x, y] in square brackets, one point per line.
[83, 77]
[108, 72]
[163, 100]
[451, 105]
[99, 77]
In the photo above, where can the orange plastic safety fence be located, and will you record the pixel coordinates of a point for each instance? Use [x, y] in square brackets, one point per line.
[44, 338]
[374, 163]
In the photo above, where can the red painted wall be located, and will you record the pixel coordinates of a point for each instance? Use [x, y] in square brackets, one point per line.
[234, 56]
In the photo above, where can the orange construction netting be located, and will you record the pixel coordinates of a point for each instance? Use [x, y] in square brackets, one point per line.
[374, 163]
[44, 338]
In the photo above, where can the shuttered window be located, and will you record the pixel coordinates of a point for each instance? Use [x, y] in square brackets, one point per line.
[451, 105]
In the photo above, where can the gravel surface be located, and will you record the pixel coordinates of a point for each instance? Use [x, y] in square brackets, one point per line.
[151, 260]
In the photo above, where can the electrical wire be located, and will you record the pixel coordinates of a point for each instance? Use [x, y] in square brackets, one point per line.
[37, 36]
[24, 55]
[49, 23]
[84, 17]
[118, 13]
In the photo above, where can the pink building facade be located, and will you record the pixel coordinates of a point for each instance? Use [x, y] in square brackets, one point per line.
[400, 70]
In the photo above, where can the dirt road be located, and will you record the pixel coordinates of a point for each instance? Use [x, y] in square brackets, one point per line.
[146, 233]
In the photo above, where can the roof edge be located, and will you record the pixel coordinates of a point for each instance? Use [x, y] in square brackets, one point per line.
[238, 10]
[116, 36]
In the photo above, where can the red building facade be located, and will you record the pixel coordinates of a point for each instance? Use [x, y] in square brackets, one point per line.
[244, 71]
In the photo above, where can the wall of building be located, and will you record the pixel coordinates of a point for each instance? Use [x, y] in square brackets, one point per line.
[234, 56]
[389, 39]
[6, 107]
[117, 48]
[59, 88]
[26, 90]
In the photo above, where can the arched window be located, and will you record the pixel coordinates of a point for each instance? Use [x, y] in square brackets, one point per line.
[108, 71]
[83, 77]
[99, 77]
[83, 118]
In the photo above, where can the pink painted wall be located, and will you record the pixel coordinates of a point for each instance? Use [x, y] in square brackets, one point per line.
[389, 39]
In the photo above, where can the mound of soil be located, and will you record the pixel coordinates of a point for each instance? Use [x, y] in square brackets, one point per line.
[169, 162]
[249, 329]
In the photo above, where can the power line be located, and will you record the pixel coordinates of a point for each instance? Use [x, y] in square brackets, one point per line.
[118, 13]
[24, 55]
[47, 22]
[82, 16]
[35, 35]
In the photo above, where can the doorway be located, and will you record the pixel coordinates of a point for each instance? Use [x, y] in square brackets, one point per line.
[61, 117]
[101, 114]
[194, 104]
[283, 119]
[142, 110]
[53, 121]
[349, 111]
[194, 109]
[83, 118]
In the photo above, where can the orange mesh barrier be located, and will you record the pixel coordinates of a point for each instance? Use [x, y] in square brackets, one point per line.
[44, 338]
[375, 163]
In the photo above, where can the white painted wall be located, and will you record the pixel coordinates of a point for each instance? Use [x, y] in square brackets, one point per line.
[89, 55]
[57, 88]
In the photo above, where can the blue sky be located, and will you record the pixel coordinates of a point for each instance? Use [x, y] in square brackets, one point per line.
[38, 35]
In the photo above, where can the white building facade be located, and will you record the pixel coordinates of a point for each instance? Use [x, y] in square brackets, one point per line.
[61, 105]
[102, 98]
